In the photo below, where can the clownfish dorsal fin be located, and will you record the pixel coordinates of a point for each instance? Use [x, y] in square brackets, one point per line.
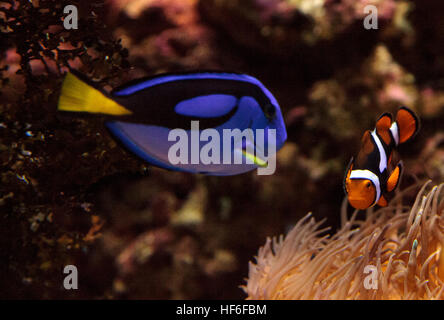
[408, 124]
[383, 127]
[395, 177]
[367, 147]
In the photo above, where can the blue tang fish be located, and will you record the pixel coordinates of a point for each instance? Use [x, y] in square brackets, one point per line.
[143, 113]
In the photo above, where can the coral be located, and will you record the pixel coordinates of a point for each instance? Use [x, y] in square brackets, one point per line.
[163, 34]
[300, 31]
[43, 223]
[35, 32]
[405, 245]
[419, 47]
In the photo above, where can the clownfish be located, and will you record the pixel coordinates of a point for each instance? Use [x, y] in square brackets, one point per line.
[142, 113]
[367, 180]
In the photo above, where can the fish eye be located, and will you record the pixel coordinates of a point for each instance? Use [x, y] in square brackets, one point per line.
[269, 110]
[368, 184]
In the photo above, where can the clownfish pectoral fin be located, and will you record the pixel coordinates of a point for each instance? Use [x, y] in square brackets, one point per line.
[78, 95]
[382, 202]
[383, 127]
[395, 177]
[347, 174]
[408, 124]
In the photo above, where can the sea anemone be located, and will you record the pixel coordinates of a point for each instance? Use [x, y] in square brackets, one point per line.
[395, 253]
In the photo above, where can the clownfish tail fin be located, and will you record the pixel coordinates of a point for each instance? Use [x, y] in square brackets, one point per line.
[407, 124]
[77, 95]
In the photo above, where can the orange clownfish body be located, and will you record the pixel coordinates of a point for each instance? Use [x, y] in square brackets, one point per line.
[367, 181]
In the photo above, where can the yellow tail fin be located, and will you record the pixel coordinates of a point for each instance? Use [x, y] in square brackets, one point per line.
[78, 96]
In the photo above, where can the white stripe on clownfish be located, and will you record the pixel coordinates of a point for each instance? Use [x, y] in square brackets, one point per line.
[395, 132]
[367, 174]
[382, 155]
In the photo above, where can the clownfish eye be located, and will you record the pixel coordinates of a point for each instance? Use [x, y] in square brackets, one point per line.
[368, 184]
[270, 111]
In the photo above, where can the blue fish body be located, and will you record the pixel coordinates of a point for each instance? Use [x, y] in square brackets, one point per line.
[156, 106]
